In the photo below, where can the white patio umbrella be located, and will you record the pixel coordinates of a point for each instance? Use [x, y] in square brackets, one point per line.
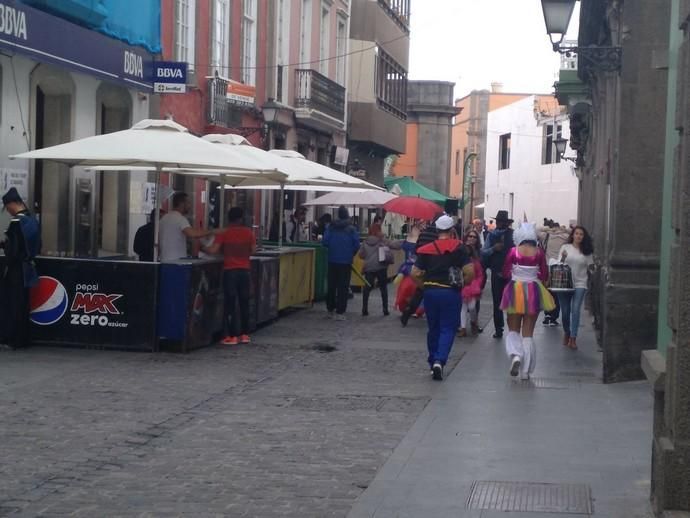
[302, 174]
[153, 143]
[353, 199]
[297, 161]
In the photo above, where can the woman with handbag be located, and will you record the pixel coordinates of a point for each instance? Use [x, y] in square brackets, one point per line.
[376, 251]
[444, 265]
[524, 297]
[578, 254]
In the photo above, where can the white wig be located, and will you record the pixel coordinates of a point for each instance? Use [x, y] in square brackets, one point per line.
[525, 232]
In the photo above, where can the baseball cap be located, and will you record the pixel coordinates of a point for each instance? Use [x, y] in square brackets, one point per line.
[445, 222]
[11, 196]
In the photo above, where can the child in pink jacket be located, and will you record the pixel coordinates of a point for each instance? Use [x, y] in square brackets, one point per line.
[473, 291]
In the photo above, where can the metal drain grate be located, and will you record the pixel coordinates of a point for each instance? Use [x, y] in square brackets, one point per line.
[544, 383]
[584, 377]
[531, 497]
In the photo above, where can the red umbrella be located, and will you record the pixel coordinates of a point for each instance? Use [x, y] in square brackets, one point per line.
[413, 207]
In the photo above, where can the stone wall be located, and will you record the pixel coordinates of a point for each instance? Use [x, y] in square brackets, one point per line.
[671, 451]
[622, 181]
[430, 106]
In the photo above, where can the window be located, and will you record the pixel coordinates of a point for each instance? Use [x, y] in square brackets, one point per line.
[325, 37]
[341, 50]
[282, 48]
[504, 152]
[391, 85]
[305, 34]
[549, 154]
[184, 32]
[220, 41]
[249, 42]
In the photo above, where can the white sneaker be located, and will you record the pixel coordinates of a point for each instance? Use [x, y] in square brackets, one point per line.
[340, 318]
[330, 314]
[524, 376]
[515, 366]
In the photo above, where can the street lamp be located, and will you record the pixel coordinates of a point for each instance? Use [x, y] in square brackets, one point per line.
[270, 111]
[560, 144]
[557, 14]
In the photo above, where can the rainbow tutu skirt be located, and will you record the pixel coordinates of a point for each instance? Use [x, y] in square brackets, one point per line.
[526, 298]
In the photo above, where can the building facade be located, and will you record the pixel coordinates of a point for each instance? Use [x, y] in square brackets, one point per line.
[667, 366]
[55, 89]
[468, 146]
[621, 172]
[289, 53]
[377, 84]
[524, 173]
[430, 112]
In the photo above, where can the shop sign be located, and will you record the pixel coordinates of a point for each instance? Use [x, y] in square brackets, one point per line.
[240, 94]
[94, 303]
[49, 39]
[170, 77]
[341, 155]
[17, 178]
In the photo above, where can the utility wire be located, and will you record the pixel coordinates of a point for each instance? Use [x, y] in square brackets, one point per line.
[266, 67]
[19, 104]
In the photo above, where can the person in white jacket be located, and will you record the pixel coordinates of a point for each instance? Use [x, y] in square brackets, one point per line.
[578, 253]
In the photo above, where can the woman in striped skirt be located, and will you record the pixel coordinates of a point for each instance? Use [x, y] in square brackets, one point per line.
[524, 297]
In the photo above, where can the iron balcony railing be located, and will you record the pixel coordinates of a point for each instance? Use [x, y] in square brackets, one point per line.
[218, 107]
[316, 92]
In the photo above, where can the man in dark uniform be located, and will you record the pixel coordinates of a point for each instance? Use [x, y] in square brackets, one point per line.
[21, 245]
[144, 238]
[496, 247]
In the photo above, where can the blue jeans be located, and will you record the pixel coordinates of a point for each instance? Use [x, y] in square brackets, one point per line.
[442, 307]
[571, 303]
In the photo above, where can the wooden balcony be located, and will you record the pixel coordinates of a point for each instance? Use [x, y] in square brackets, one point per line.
[319, 101]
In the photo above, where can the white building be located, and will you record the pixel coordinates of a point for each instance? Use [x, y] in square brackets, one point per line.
[524, 174]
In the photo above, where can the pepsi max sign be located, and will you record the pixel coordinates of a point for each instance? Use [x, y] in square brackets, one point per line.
[48, 301]
[89, 307]
[94, 303]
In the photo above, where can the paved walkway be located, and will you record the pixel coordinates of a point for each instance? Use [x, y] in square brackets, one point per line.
[563, 427]
[314, 417]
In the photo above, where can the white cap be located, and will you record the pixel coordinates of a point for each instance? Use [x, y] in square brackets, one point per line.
[445, 222]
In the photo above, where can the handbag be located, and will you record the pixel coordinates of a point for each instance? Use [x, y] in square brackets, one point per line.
[561, 277]
[455, 278]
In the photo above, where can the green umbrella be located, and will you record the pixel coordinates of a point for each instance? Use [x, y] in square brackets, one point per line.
[410, 187]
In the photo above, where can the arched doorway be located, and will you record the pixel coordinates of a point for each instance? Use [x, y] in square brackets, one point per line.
[114, 113]
[52, 122]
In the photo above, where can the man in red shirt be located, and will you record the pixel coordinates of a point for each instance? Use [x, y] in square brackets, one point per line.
[238, 244]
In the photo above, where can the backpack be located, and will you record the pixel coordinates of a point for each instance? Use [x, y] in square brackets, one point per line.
[455, 278]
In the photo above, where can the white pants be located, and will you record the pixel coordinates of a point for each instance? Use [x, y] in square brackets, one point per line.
[468, 306]
[523, 348]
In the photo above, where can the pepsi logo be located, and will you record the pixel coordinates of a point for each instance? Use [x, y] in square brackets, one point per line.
[48, 301]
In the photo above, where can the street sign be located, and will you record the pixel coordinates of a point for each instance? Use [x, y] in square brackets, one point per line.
[240, 94]
[170, 77]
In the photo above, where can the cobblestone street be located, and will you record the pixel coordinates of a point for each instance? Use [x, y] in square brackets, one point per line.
[296, 424]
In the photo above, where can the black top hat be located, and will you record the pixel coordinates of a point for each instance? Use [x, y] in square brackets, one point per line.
[12, 196]
[502, 215]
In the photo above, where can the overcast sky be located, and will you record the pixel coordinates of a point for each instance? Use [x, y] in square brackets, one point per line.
[475, 42]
